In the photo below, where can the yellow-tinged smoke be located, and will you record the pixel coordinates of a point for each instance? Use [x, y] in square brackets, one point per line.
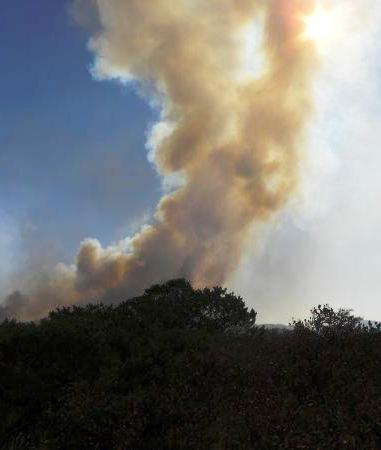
[234, 140]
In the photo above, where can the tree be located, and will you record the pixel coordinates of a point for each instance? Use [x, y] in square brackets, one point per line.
[134, 375]
[181, 368]
[325, 321]
[177, 302]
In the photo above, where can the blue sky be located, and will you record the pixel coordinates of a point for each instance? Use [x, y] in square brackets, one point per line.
[72, 157]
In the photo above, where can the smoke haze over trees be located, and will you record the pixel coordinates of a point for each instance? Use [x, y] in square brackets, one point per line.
[92, 359]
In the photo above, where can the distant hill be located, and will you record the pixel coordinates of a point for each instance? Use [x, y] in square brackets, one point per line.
[366, 322]
[281, 326]
[276, 326]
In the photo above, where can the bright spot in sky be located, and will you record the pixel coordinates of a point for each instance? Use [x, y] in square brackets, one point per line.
[322, 26]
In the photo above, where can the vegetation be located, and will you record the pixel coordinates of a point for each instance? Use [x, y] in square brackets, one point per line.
[179, 368]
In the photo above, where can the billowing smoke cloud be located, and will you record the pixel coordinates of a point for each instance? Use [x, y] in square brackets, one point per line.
[232, 138]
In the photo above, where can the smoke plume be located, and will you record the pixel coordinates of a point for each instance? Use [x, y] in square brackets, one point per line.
[232, 137]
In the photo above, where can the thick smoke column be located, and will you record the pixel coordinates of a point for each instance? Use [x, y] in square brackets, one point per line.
[235, 141]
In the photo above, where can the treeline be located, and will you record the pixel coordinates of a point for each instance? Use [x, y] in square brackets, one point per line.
[179, 368]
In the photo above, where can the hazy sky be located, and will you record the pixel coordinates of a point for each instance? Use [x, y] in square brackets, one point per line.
[73, 164]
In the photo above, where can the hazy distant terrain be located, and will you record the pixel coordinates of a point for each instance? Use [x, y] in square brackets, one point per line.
[279, 326]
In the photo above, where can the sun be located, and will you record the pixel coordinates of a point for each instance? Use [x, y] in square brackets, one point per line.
[321, 27]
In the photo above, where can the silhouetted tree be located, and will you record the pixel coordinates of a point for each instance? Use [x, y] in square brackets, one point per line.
[325, 321]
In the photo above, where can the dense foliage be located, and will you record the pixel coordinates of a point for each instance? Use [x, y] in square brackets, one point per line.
[179, 368]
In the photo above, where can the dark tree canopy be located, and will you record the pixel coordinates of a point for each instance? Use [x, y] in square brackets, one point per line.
[327, 322]
[179, 368]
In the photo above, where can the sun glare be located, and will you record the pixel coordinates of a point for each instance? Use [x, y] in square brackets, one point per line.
[321, 27]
